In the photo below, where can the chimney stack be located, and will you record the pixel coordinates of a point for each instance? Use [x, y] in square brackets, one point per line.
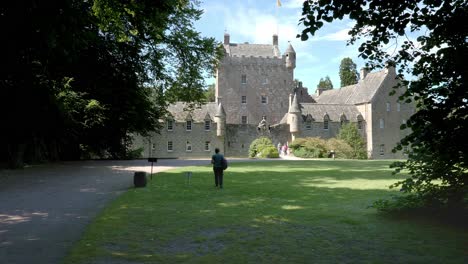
[363, 73]
[275, 40]
[226, 39]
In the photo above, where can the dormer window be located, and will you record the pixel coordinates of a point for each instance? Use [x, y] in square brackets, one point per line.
[207, 125]
[188, 125]
[388, 107]
[326, 119]
[264, 99]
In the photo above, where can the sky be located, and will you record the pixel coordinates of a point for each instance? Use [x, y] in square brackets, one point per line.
[255, 21]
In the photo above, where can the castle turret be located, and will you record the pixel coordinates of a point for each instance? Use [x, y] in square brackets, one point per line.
[220, 119]
[294, 118]
[290, 57]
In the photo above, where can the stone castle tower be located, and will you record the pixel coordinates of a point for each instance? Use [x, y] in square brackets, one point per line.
[254, 81]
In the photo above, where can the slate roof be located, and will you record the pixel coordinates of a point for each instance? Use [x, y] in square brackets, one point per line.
[362, 92]
[318, 111]
[255, 50]
[197, 115]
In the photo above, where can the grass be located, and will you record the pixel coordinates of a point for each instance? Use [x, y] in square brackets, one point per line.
[269, 212]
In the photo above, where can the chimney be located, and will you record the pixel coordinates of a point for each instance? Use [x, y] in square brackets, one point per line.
[226, 39]
[275, 40]
[363, 73]
[319, 91]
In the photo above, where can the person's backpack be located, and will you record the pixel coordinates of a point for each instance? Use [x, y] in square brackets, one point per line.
[224, 163]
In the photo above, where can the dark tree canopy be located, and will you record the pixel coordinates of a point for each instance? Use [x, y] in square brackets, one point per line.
[78, 77]
[438, 145]
[325, 83]
[348, 72]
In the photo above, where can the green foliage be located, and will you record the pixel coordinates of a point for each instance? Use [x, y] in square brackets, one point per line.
[210, 93]
[310, 147]
[348, 72]
[350, 134]
[269, 152]
[342, 149]
[258, 146]
[438, 162]
[325, 83]
[82, 75]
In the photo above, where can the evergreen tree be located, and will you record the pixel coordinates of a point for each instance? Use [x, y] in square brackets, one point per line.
[348, 73]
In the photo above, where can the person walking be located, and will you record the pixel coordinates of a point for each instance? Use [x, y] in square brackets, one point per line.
[217, 161]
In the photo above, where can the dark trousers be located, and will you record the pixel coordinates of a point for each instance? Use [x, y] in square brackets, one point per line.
[218, 172]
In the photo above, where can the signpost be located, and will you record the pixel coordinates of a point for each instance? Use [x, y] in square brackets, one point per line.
[152, 160]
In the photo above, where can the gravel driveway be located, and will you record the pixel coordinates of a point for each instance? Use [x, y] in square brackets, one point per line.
[44, 209]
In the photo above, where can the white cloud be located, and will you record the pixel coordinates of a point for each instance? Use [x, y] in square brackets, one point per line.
[292, 3]
[341, 35]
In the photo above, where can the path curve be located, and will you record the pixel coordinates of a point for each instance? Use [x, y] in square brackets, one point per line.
[44, 209]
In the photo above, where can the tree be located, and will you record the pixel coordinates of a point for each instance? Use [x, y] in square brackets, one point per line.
[325, 83]
[350, 134]
[348, 73]
[81, 76]
[210, 93]
[438, 57]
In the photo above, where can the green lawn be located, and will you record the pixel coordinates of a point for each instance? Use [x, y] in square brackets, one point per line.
[313, 211]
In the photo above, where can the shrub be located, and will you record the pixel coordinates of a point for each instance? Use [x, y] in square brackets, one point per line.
[311, 147]
[258, 145]
[269, 152]
[341, 148]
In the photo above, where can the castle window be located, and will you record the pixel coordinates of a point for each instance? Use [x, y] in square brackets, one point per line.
[325, 124]
[382, 150]
[398, 107]
[153, 146]
[308, 125]
[244, 99]
[359, 124]
[264, 99]
[403, 121]
[207, 146]
[207, 125]
[265, 81]
[170, 125]
[189, 125]
[169, 146]
[388, 107]
[188, 146]
[244, 120]
[382, 123]
[244, 79]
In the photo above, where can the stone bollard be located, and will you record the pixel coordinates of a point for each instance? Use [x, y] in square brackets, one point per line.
[139, 179]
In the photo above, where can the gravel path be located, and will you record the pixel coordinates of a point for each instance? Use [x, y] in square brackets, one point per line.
[44, 209]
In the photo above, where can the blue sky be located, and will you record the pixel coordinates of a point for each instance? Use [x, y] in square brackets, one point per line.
[255, 21]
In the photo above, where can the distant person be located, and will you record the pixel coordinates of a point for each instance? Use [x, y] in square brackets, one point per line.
[284, 149]
[279, 148]
[217, 161]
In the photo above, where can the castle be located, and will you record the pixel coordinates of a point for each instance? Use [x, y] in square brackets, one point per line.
[256, 95]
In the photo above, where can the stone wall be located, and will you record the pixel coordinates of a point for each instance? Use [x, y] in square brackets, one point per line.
[264, 77]
[156, 145]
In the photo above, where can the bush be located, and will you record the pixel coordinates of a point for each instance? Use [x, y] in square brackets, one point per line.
[258, 145]
[341, 148]
[269, 152]
[312, 147]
